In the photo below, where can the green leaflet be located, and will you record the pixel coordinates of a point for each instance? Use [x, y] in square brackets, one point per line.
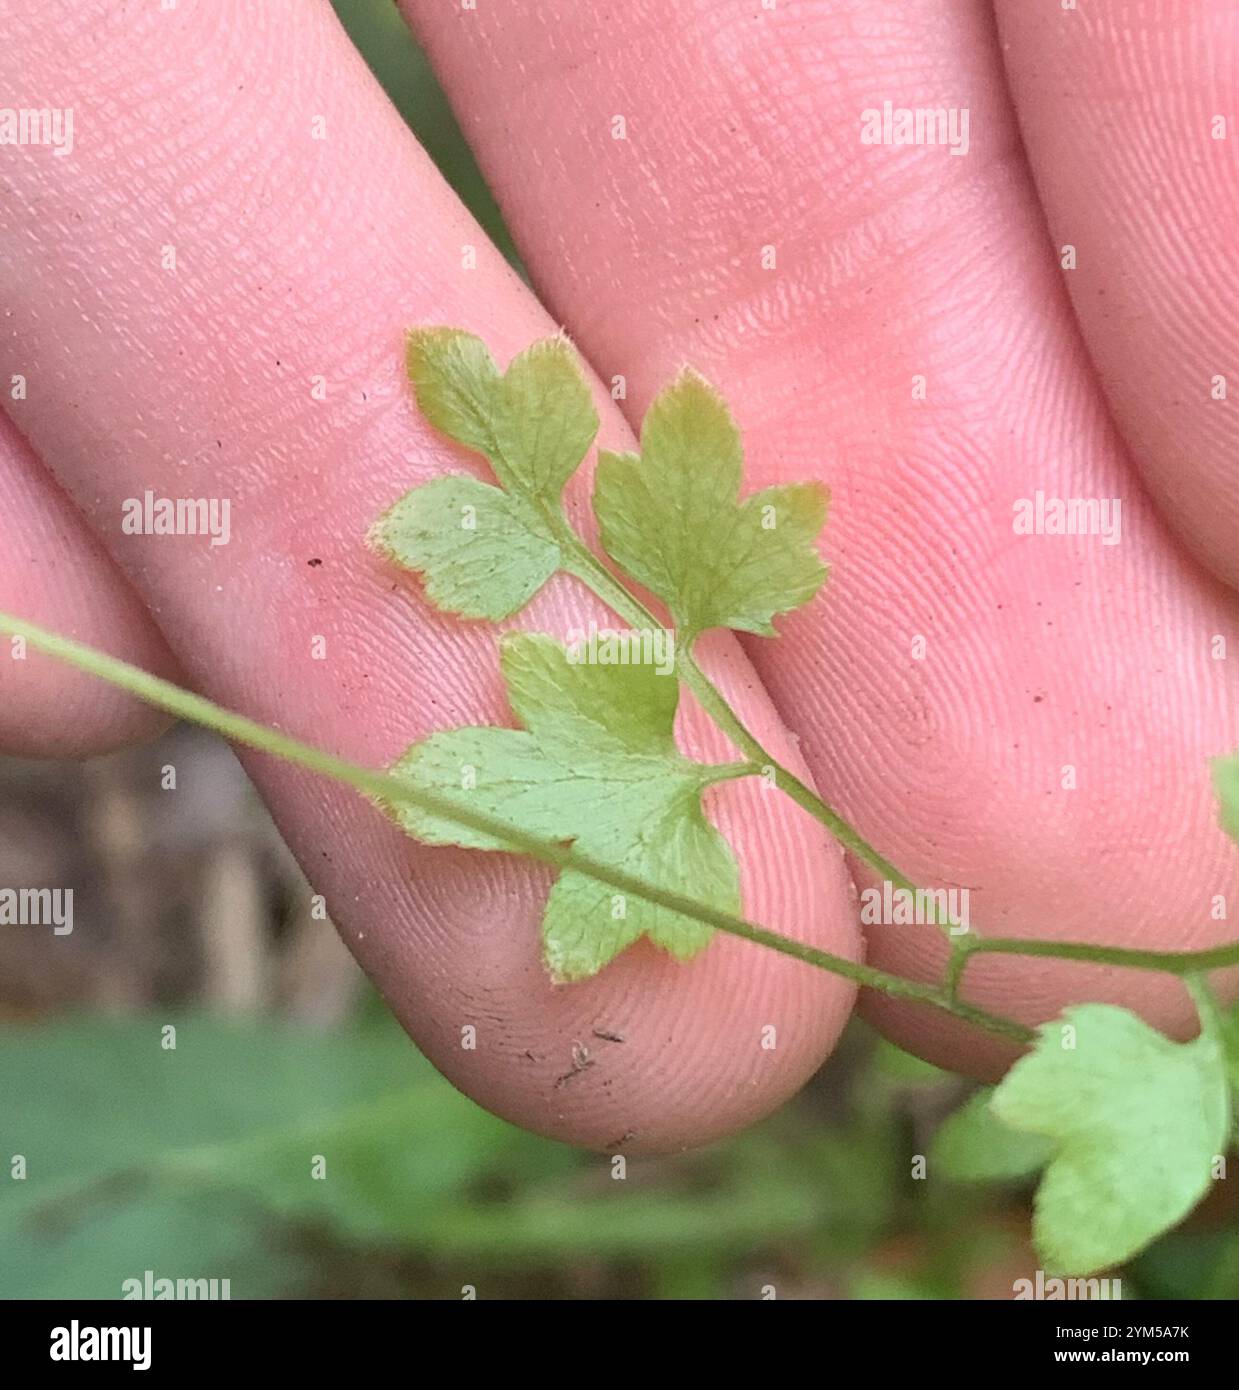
[595, 764]
[485, 552]
[973, 1145]
[456, 384]
[1137, 1122]
[545, 421]
[1226, 785]
[672, 519]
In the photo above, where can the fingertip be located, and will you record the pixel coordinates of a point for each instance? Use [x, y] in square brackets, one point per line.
[54, 573]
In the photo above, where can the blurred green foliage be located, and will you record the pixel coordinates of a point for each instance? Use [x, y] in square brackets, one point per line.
[297, 1163]
[247, 1150]
[973, 1145]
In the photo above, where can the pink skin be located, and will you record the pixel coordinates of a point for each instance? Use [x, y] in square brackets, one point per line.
[1130, 173]
[54, 572]
[1040, 652]
[300, 258]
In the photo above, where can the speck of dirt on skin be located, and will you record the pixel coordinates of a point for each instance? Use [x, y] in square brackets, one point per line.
[581, 1061]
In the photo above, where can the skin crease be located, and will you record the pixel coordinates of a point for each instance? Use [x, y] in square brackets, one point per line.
[1140, 85]
[1040, 651]
[57, 574]
[1046, 658]
[300, 258]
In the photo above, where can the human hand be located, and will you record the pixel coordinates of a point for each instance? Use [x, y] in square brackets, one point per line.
[299, 258]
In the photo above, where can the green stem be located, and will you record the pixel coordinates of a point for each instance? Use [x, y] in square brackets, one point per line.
[1170, 962]
[715, 705]
[581, 562]
[713, 773]
[1206, 1006]
[714, 702]
[386, 788]
[961, 948]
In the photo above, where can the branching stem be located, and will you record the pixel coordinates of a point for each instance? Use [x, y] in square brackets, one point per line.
[386, 788]
[581, 562]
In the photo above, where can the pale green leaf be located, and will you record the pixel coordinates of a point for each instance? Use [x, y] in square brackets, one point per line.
[672, 518]
[545, 421]
[1137, 1122]
[456, 384]
[1230, 1044]
[483, 553]
[1226, 785]
[973, 1145]
[596, 766]
[534, 425]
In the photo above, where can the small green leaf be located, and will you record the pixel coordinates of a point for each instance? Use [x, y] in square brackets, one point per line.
[1226, 785]
[534, 424]
[973, 1145]
[1137, 1122]
[596, 765]
[483, 552]
[456, 384]
[1230, 1044]
[545, 421]
[673, 520]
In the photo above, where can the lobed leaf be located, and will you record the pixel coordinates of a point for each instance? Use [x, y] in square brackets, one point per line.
[596, 765]
[1136, 1122]
[485, 551]
[456, 383]
[672, 518]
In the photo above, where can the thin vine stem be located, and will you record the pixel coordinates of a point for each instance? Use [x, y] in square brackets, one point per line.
[715, 704]
[583, 564]
[1207, 1008]
[957, 961]
[1169, 962]
[386, 788]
